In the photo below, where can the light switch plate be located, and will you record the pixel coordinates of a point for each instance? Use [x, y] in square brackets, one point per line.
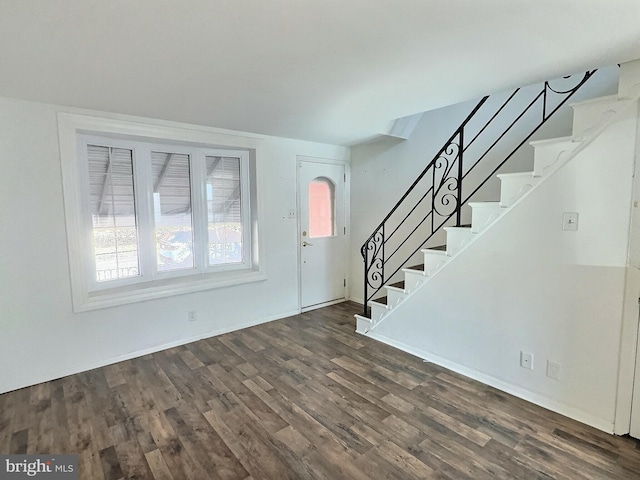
[570, 221]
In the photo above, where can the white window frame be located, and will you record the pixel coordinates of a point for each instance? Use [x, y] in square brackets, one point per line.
[76, 131]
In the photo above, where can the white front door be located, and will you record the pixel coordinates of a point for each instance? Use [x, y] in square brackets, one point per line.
[321, 235]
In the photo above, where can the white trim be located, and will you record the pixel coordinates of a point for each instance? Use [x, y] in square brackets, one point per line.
[347, 225]
[541, 400]
[331, 161]
[84, 295]
[49, 376]
[322, 305]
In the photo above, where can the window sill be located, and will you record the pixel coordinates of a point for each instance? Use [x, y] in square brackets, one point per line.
[164, 288]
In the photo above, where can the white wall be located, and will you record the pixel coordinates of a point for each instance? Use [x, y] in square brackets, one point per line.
[381, 171]
[526, 285]
[40, 337]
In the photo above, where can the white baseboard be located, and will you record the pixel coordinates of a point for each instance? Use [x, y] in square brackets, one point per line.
[537, 399]
[322, 305]
[53, 375]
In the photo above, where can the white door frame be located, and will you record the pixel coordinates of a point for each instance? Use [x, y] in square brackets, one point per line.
[347, 223]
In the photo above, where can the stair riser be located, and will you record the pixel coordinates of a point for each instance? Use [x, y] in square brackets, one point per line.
[548, 158]
[629, 85]
[413, 280]
[589, 117]
[512, 188]
[481, 218]
[363, 325]
[457, 238]
[377, 312]
[395, 298]
[433, 262]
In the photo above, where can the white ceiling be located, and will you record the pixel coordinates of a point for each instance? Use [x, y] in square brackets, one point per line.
[335, 71]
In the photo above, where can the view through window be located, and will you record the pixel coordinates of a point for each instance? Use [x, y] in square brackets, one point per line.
[321, 208]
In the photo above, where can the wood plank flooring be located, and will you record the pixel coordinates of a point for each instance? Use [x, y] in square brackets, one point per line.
[300, 398]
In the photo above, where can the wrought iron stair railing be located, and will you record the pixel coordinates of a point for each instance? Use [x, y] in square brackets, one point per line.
[457, 173]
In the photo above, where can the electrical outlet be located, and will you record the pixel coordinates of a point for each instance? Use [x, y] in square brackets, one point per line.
[291, 213]
[192, 315]
[553, 370]
[526, 360]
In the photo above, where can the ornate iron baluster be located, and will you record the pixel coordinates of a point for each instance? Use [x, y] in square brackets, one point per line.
[373, 254]
[447, 188]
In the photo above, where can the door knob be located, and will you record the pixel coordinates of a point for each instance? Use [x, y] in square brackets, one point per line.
[307, 244]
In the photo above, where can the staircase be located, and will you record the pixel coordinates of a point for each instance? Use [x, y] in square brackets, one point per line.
[590, 119]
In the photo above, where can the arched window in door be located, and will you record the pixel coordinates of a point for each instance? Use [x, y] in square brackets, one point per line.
[321, 208]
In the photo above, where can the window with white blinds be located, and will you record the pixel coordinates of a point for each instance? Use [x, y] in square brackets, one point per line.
[113, 212]
[172, 213]
[159, 211]
[224, 210]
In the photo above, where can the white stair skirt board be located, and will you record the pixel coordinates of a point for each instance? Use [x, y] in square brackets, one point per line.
[484, 214]
[515, 185]
[550, 154]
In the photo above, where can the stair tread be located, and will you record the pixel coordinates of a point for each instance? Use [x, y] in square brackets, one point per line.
[382, 300]
[399, 284]
[603, 99]
[551, 141]
[515, 174]
[493, 203]
[419, 268]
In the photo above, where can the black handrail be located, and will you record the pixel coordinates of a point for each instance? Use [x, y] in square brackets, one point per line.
[443, 188]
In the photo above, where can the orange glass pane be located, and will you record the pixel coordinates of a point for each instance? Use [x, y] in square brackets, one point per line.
[321, 201]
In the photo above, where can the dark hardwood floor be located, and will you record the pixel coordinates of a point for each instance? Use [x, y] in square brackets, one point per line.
[304, 397]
